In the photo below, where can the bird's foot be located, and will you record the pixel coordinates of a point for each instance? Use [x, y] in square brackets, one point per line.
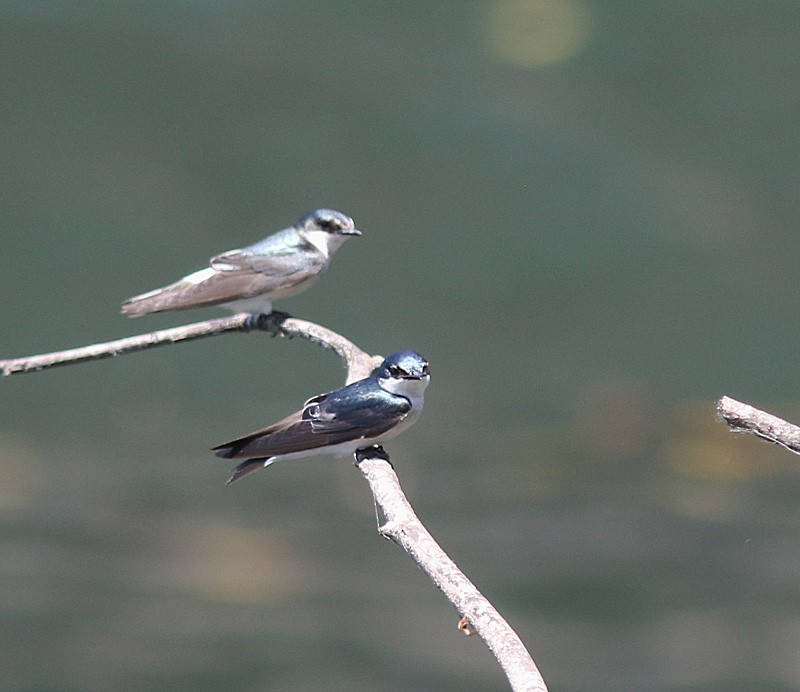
[373, 452]
[271, 322]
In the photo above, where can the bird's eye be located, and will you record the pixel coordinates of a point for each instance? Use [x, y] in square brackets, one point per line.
[395, 370]
[329, 224]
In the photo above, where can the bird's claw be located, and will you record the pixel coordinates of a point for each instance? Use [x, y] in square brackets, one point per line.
[271, 322]
[373, 452]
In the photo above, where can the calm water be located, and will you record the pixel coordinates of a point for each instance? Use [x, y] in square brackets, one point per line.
[583, 213]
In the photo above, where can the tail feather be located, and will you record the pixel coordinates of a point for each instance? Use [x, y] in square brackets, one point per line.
[248, 467]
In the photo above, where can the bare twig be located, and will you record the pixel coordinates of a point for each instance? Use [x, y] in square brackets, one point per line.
[744, 418]
[404, 528]
[359, 364]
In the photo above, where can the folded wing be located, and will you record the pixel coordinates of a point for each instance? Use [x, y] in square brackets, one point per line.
[353, 413]
[234, 275]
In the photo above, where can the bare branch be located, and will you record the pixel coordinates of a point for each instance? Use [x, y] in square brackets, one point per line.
[359, 364]
[402, 525]
[404, 528]
[744, 418]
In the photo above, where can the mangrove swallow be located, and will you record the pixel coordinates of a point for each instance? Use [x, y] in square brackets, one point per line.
[248, 280]
[357, 416]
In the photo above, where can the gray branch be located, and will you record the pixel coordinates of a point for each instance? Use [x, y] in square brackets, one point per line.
[404, 528]
[402, 525]
[359, 364]
[744, 418]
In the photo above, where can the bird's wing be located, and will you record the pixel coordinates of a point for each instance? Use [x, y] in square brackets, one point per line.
[265, 274]
[328, 419]
[232, 276]
[362, 406]
[234, 448]
[269, 258]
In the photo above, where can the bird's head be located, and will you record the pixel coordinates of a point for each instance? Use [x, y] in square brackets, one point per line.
[326, 229]
[405, 373]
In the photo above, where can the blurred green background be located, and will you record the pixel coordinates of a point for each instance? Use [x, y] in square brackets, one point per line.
[584, 214]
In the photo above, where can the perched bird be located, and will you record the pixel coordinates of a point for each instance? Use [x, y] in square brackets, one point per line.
[354, 417]
[249, 279]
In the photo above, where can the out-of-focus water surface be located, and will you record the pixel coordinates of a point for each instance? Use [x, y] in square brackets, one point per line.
[584, 213]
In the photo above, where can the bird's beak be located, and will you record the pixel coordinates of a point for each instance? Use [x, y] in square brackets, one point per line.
[349, 231]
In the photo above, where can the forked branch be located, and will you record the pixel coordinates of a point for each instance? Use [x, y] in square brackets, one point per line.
[402, 525]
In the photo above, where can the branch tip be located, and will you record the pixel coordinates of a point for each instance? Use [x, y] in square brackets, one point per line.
[743, 418]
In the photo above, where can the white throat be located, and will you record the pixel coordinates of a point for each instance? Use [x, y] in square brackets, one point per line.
[327, 243]
[412, 390]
